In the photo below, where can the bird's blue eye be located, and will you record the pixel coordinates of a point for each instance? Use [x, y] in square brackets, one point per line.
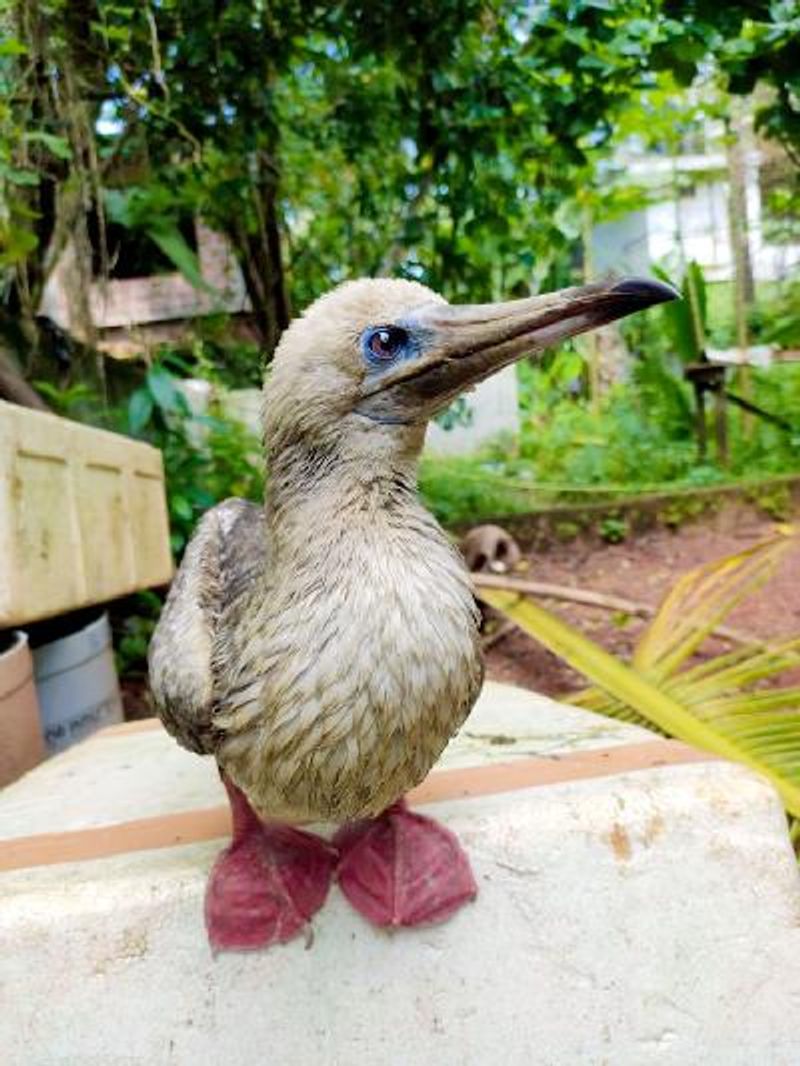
[384, 344]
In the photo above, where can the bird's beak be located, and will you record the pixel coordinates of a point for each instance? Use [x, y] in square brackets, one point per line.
[461, 345]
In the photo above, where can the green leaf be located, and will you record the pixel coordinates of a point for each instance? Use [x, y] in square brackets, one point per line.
[685, 319]
[162, 388]
[176, 542]
[117, 203]
[140, 408]
[714, 705]
[10, 46]
[16, 244]
[171, 242]
[181, 507]
[637, 692]
[17, 176]
[59, 146]
[694, 292]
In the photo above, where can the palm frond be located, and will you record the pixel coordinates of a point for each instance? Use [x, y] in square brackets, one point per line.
[713, 704]
[700, 600]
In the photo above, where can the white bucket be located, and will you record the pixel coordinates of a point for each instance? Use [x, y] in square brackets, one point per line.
[77, 684]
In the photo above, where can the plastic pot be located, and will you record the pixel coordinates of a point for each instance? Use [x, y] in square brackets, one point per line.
[21, 744]
[77, 684]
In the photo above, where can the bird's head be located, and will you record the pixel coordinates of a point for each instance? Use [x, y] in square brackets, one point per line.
[373, 360]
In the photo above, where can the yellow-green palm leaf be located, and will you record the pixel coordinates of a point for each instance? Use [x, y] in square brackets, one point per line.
[714, 704]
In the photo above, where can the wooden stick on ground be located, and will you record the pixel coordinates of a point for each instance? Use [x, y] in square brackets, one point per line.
[587, 597]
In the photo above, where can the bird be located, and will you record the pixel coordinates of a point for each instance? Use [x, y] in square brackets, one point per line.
[323, 647]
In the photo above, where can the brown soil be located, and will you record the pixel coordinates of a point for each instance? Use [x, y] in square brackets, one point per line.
[642, 569]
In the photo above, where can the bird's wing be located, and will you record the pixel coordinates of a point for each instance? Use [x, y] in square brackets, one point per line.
[225, 557]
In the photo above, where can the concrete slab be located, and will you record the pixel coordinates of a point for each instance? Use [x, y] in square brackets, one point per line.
[626, 916]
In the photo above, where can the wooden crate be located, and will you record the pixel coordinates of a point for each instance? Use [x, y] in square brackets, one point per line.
[83, 516]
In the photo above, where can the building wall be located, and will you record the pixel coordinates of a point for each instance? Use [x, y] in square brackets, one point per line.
[673, 231]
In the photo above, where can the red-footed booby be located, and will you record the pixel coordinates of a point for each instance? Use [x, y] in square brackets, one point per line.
[324, 647]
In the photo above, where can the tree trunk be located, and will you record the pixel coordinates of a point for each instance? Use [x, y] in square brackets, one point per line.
[260, 255]
[743, 285]
[15, 388]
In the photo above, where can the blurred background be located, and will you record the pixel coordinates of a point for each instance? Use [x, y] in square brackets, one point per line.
[178, 179]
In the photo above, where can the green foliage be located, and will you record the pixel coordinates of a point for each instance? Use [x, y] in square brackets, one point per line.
[155, 211]
[217, 354]
[566, 530]
[779, 321]
[451, 150]
[79, 401]
[459, 491]
[774, 500]
[132, 634]
[721, 704]
[639, 438]
[463, 143]
[686, 319]
[207, 458]
[458, 143]
[613, 529]
[639, 433]
[682, 508]
[751, 42]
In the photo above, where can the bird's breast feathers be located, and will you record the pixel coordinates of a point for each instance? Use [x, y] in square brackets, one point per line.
[351, 683]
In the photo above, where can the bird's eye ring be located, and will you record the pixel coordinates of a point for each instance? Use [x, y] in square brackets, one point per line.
[385, 343]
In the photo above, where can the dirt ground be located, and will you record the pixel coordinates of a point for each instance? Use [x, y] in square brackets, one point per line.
[642, 569]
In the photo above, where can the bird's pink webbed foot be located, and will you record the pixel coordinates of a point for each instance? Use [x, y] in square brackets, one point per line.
[403, 869]
[267, 884]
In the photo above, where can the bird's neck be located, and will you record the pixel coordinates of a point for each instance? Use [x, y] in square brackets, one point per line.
[317, 492]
